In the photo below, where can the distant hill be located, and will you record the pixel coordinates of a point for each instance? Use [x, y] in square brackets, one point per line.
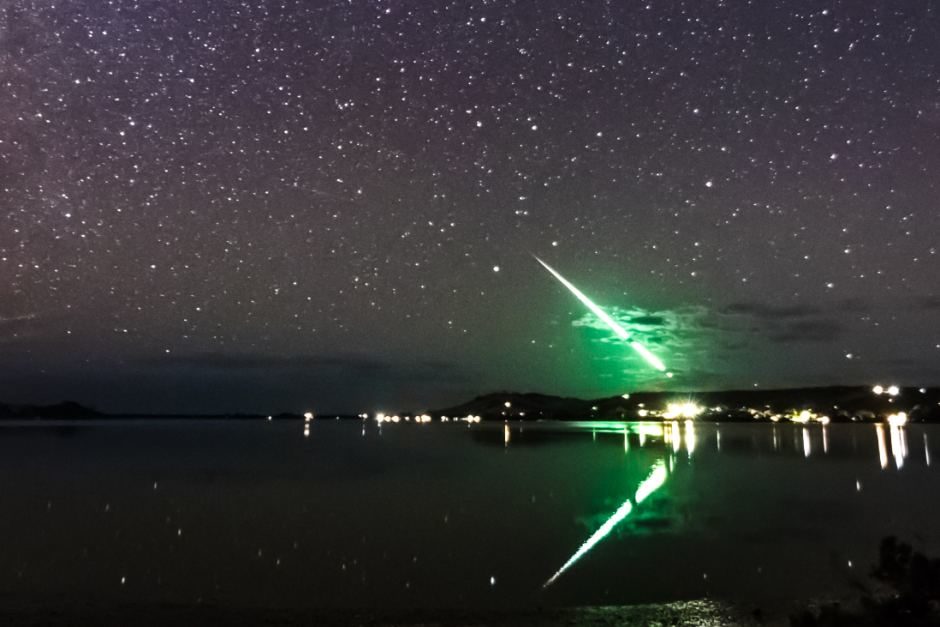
[67, 410]
[839, 403]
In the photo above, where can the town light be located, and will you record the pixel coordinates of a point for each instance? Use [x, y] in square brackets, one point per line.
[897, 420]
[686, 410]
[803, 417]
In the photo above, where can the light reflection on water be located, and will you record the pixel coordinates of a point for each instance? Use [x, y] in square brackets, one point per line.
[653, 482]
[353, 514]
[678, 437]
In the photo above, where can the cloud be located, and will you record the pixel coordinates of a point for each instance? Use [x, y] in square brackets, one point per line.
[5, 320]
[822, 330]
[854, 305]
[354, 366]
[649, 320]
[784, 324]
[930, 303]
[770, 312]
[18, 326]
[678, 336]
[707, 345]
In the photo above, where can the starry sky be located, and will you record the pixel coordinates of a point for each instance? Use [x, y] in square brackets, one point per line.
[261, 206]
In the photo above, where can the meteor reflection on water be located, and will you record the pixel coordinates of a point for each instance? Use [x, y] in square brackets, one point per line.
[653, 482]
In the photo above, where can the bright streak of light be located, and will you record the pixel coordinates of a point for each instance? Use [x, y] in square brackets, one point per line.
[622, 512]
[650, 358]
[626, 441]
[882, 446]
[897, 446]
[652, 483]
[649, 485]
[689, 437]
[807, 444]
[506, 434]
[825, 433]
[651, 430]
[776, 442]
[675, 436]
[618, 330]
[926, 451]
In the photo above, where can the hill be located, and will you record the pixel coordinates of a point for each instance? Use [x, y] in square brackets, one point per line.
[838, 403]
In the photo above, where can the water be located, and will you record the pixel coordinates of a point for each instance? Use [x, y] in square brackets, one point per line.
[255, 514]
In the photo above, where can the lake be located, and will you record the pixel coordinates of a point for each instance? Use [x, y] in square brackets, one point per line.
[257, 514]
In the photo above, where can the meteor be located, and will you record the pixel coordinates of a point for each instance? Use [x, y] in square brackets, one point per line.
[653, 482]
[618, 330]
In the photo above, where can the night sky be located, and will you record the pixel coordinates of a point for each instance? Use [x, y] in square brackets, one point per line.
[267, 206]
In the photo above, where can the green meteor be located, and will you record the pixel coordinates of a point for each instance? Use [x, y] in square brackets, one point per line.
[618, 330]
[653, 482]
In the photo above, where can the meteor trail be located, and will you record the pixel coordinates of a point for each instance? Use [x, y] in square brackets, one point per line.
[649, 485]
[618, 330]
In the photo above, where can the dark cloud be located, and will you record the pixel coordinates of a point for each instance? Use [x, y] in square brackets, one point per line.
[772, 312]
[18, 327]
[732, 343]
[781, 324]
[709, 346]
[249, 361]
[854, 305]
[359, 366]
[931, 303]
[649, 320]
[807, 331]
[19, 319]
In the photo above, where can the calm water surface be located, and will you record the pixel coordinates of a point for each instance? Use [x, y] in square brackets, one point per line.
[449, 515]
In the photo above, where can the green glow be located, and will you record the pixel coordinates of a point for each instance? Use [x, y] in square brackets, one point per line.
[652, 483]
[653, 430]
[599, 535]
[650, 358]
[618, 330]
[649, 485]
